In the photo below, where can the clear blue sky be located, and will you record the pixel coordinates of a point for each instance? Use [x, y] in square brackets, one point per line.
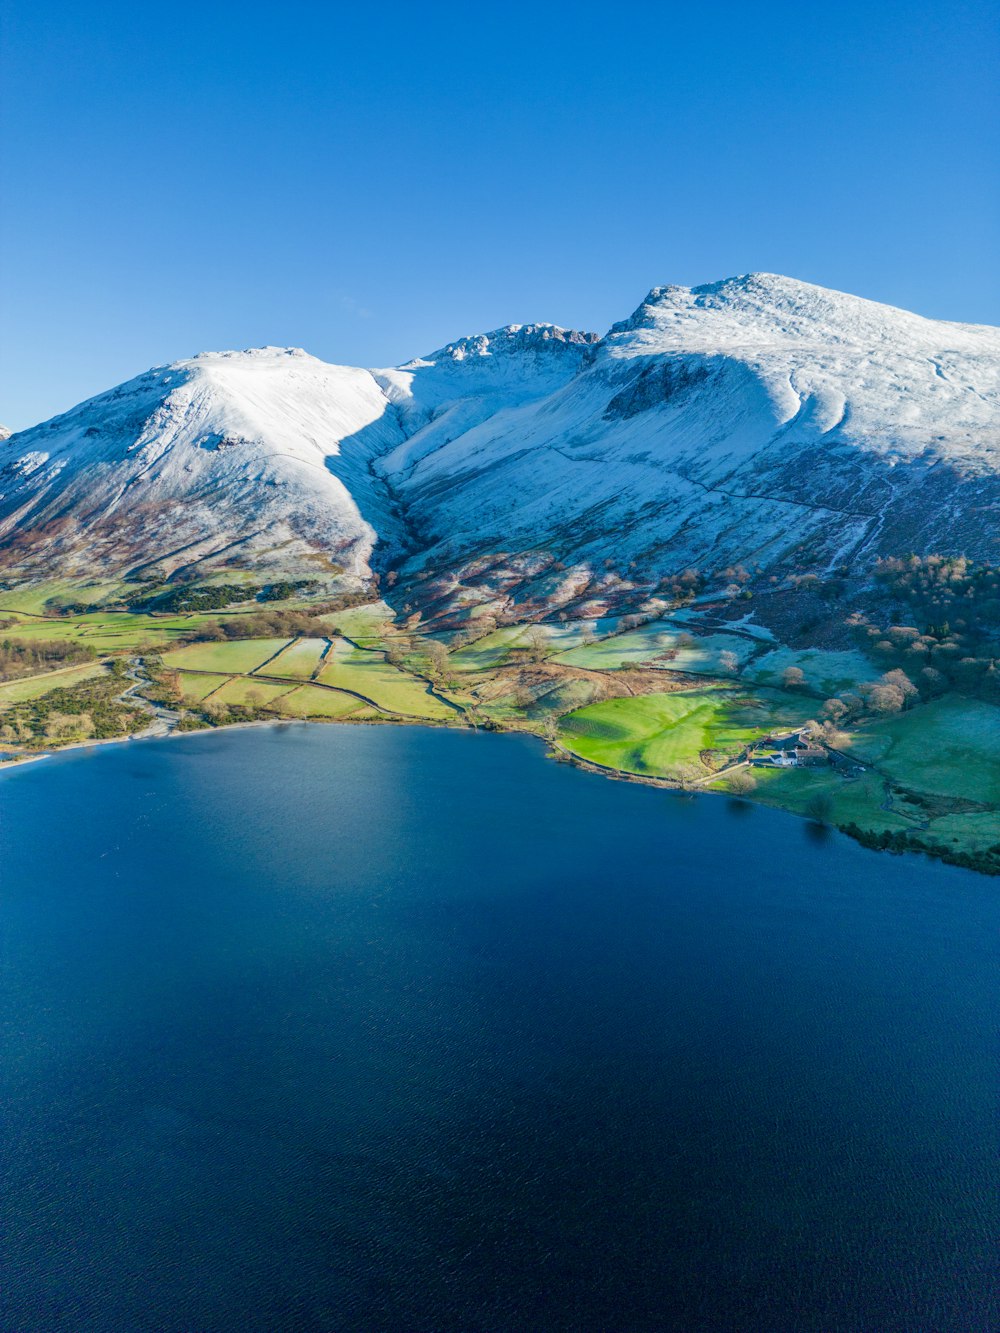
[369, 182]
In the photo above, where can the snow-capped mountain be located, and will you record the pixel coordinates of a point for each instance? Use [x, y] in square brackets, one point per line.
[234, 457]
[760, 420]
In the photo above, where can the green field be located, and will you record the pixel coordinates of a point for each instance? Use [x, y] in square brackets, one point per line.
[107, 631]
[31, 597]
[236, 657]
[366, 624]
[345, 667]
[33, 687]
[300, 659]
[250, 693]
[664, 734]
[975, 830]
[309, 701]
[197, 688]
[489, 651]
[854, 800]
[949, 746]
[369, 674]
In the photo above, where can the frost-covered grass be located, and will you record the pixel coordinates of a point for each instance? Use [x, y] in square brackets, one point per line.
[488, 652]
[33, 687]
[645, 646]
[236, 656]
[825, 672]
[491, 650]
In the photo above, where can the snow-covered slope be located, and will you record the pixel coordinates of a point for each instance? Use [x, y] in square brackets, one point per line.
[759, 420]
[735, 421]
[239, 457]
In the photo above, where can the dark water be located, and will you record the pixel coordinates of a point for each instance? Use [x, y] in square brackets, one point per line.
[376, 1028]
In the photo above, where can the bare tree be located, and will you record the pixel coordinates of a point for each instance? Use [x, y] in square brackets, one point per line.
[819, 807]
[437, 658]
[537, 641]
[742, 782]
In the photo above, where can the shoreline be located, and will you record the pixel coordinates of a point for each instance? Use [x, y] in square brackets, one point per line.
[171, 733]
[553, 751]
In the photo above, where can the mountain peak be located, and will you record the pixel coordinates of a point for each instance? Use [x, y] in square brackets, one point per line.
[769, 308]
[514, 338]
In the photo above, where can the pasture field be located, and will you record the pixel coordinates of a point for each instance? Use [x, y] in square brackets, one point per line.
[107, 631]
[825, 672]
[234, 657]
[949, 747]
[489, 651]
[196, 688]
[854, 800]
[565, 696]
[365, 624]
[304, 701]
[645, 646]
[299, 659]
[238, 690]
[369, 674]
[664, 734]
[33, 687]
[975, 830]
[30, 598]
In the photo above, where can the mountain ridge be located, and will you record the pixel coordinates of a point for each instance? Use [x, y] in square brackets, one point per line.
[735, 421]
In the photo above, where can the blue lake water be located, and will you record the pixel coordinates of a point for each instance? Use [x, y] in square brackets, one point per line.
[392, 1028]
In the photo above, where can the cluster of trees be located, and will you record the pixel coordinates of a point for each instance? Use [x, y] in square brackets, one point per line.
[683, 587]
[944, 589]
[267, 625]
[940, 658]
[217, 596]
[954, 640]
[19, 659]
[891, 693]
[533, 647]
[55, 606]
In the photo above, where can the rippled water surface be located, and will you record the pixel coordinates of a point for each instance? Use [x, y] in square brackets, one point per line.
[391, 1028]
